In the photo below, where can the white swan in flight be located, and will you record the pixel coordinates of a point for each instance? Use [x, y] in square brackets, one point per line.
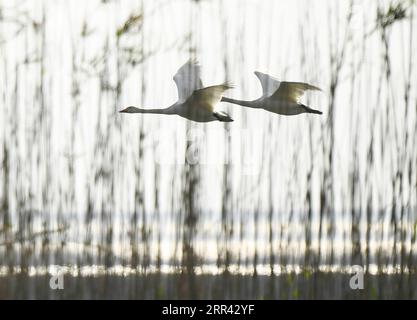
[279, 97]
[194, 102]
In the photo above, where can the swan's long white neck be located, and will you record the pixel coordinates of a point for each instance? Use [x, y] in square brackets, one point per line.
[245, 103]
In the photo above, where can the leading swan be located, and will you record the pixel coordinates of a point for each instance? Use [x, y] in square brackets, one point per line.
[194, 102]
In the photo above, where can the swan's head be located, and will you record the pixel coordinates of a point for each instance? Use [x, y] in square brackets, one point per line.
[128, 110]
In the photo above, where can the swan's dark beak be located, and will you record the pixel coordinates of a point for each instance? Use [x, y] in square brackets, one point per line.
[130, 109]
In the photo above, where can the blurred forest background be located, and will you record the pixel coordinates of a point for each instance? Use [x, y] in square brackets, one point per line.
[273, 207]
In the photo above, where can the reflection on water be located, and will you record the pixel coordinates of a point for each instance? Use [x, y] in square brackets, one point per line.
[207, 269]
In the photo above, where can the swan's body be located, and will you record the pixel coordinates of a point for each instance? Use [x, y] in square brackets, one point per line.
[194, 102]
[278, 97]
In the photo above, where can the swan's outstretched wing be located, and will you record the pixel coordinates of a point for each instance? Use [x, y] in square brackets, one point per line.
[208, 97]
[268, 83]
[292, 91]
[283, 90]
[188, 80]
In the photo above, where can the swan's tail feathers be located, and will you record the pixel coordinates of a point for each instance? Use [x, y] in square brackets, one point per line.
[309, 110]
[222, 116]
